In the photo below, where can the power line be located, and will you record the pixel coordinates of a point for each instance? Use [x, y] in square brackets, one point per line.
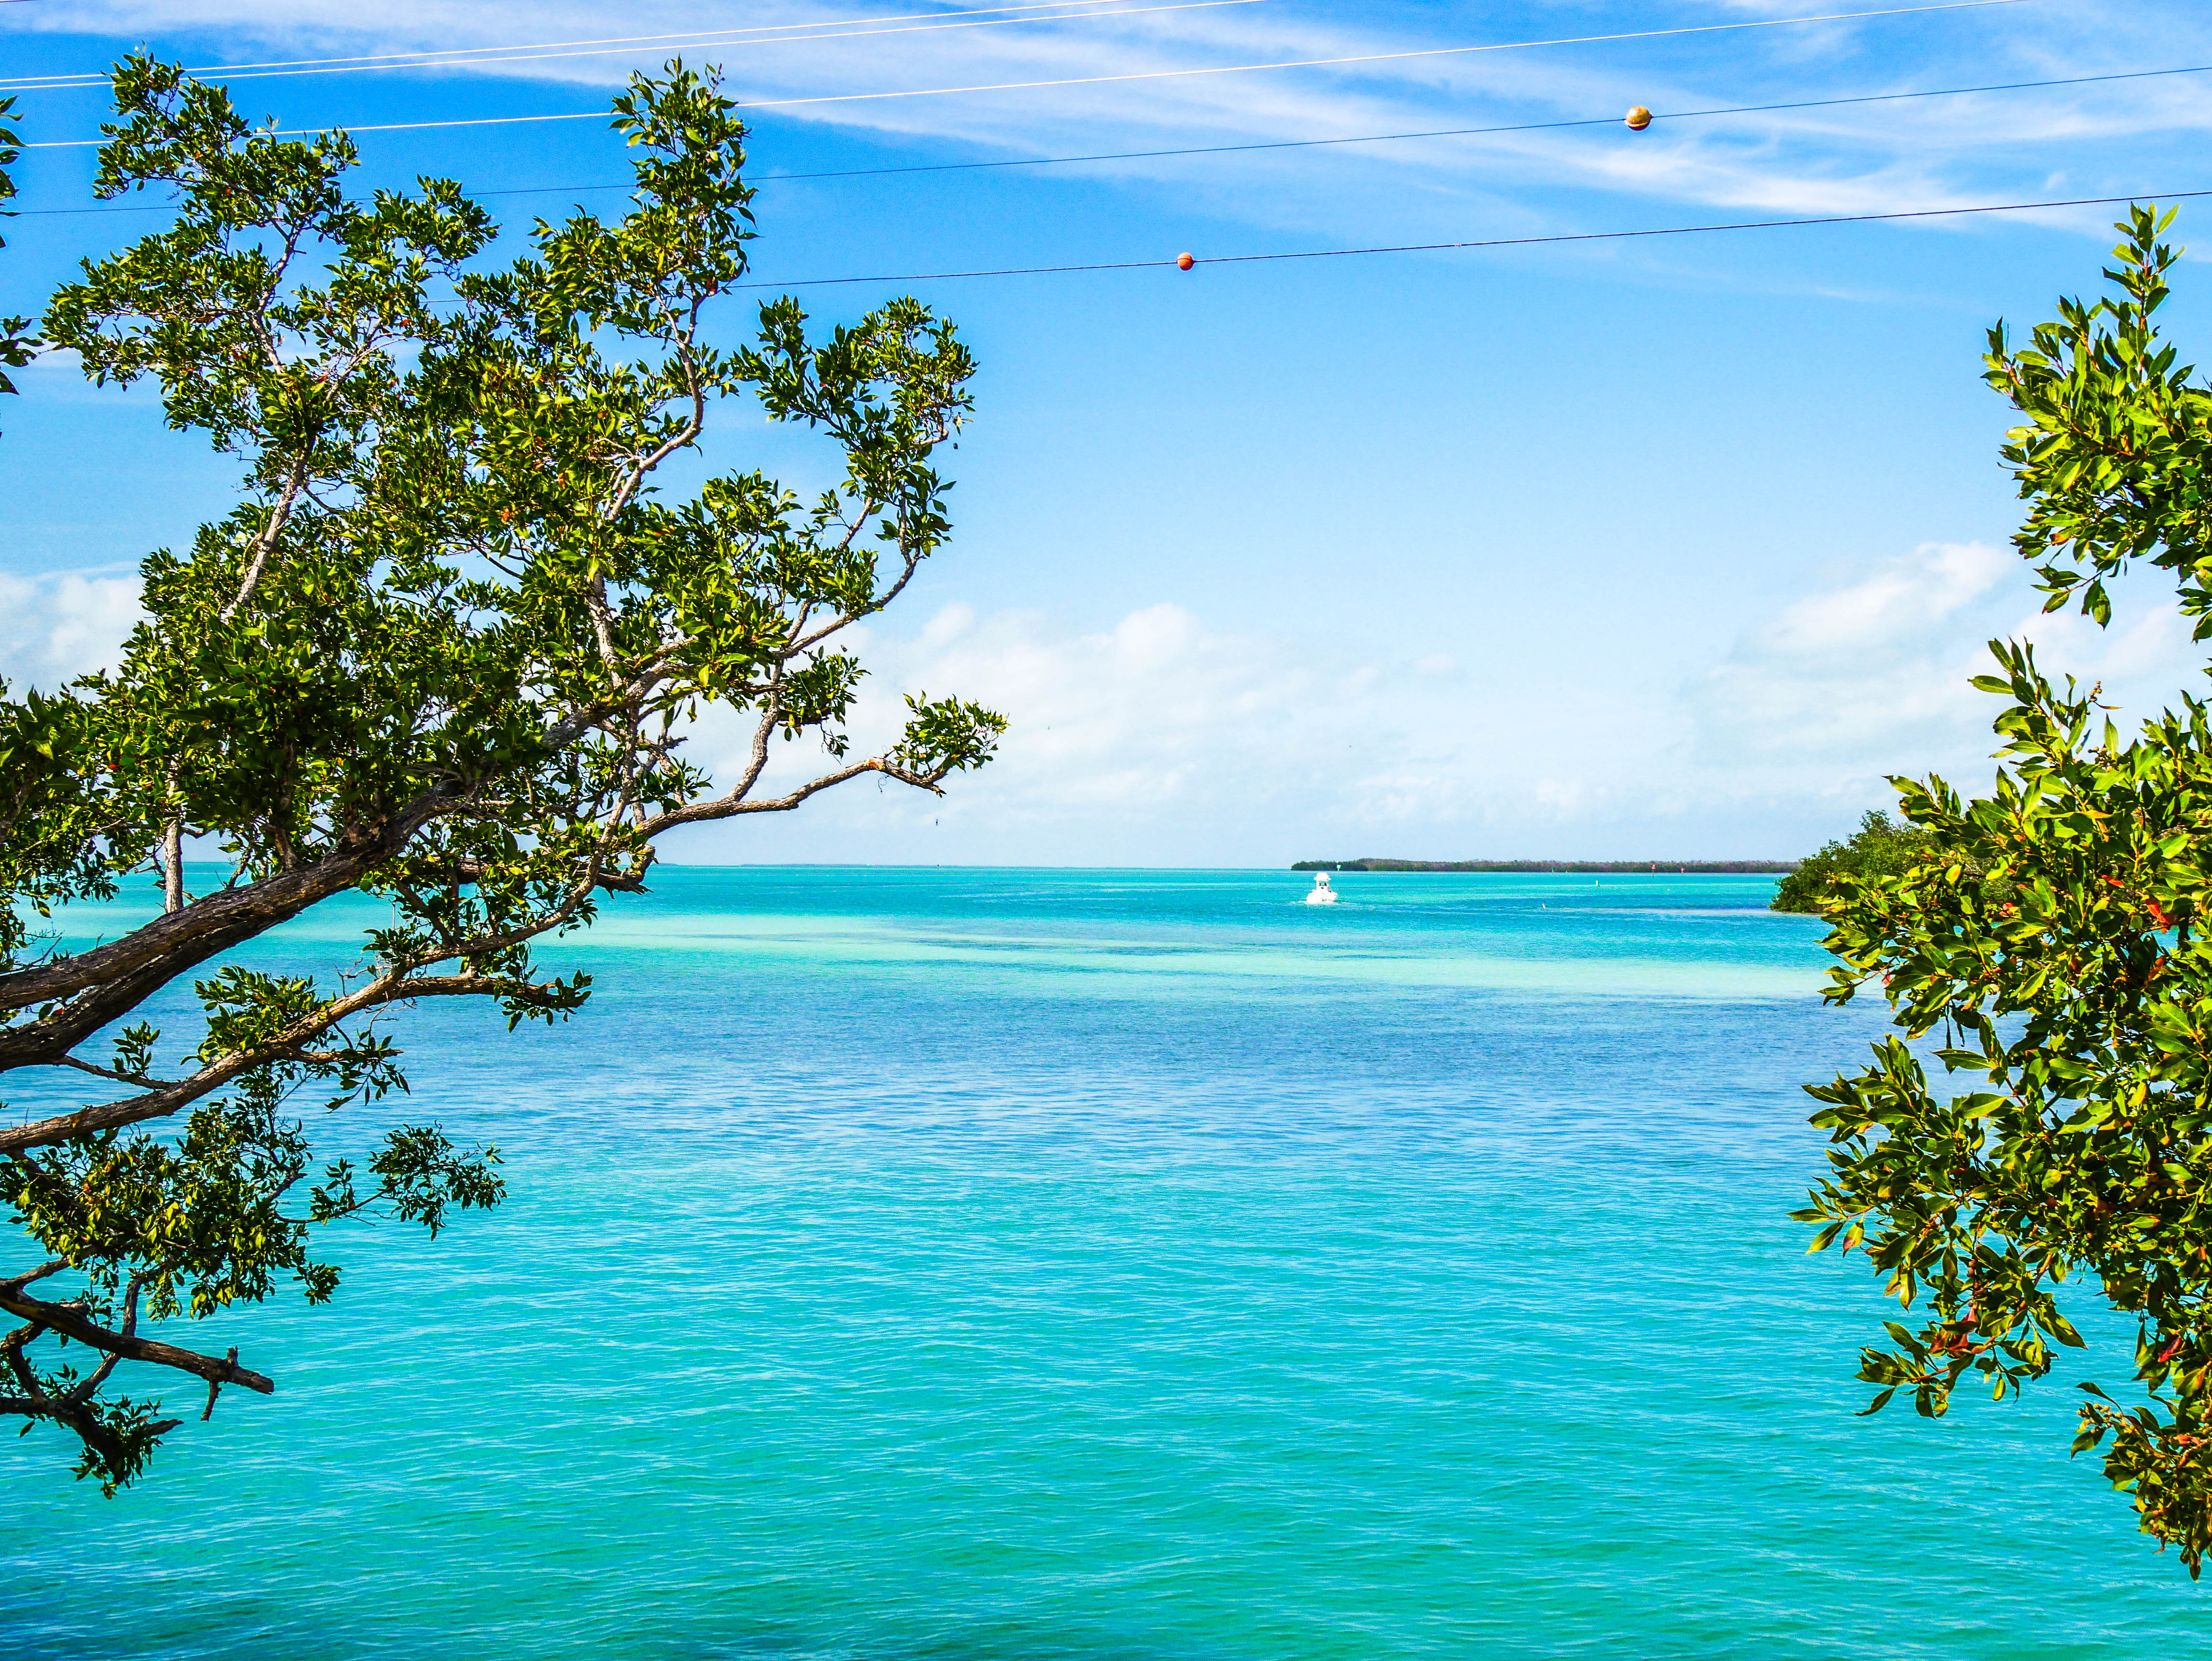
[1558, 238]
[1487, 242]
[1440, 133]
[1163, 75]
[1298, 143]
[496, 55]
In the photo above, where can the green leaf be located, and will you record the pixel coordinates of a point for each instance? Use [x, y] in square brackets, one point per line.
[1880, 1401]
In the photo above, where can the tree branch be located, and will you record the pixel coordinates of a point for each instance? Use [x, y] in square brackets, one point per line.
[16, 1283]
[60, 1318]
[727, 806]
[85, 1422]
[398, 986]
[138, 1078]
[265, 544]
[12, 1347]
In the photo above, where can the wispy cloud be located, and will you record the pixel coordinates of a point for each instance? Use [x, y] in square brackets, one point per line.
[1936, 153]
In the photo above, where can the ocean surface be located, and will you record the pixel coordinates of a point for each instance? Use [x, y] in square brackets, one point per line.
[1128, 1266]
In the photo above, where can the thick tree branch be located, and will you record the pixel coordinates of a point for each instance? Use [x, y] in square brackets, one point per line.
[178, 940]
[60, 1318]
[44, 1271]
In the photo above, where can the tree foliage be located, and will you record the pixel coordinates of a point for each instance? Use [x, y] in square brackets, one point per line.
[1880, 847]
[15, 346]
[2050, 940]
[445, 652]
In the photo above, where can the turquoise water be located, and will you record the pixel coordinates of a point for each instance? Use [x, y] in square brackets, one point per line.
[974, 1264]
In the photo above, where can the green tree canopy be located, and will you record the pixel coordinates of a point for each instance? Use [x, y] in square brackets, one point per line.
[445, 652]
[2049, 940]
[1881, 846]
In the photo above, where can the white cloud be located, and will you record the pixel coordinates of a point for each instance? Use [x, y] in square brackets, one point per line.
[1869, 675]
[1163, 741]
[53, 629]
[1152, 720]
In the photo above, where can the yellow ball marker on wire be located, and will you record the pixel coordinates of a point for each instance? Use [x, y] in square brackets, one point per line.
[1637, 118]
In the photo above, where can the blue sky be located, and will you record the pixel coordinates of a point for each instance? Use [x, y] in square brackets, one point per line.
[1651, 548]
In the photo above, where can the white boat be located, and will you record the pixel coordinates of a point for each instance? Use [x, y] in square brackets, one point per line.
[1323, 893]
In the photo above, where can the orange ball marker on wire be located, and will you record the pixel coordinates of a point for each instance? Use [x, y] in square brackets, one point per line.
[1638, 119]
[1184, 262]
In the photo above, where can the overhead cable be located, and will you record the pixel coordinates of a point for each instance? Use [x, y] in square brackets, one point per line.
[1160, 74]
[1187, 262]
[1438, 132]
[493, 56]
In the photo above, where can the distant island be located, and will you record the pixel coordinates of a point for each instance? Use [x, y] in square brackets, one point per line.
[1622, 868]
